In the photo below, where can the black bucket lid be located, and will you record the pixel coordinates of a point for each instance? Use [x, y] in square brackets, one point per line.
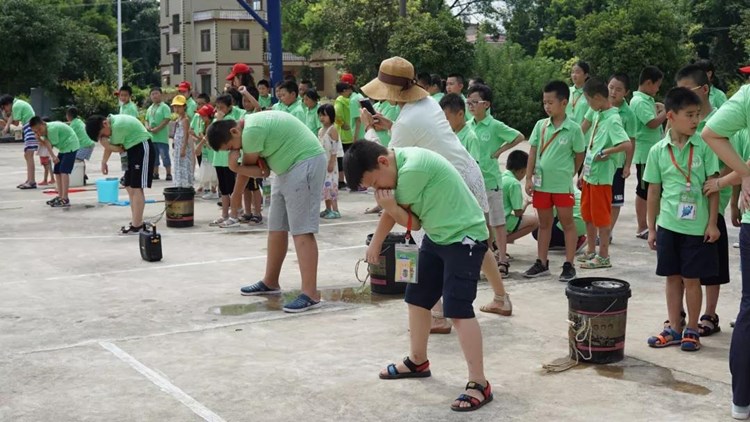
[598, 286]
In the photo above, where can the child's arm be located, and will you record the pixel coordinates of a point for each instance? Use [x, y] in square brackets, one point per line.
[621, 147]
[658, 120]
[248, 100]
[579, 160]
[161, 126]
[712, 230]
[332, 162]
[628, 159]
[652, 210]
[530, 171]
[183, 150]
[735, 209]
[386, 198]
[385, 225]
[585, 125]
[520, 138]
[46, 144]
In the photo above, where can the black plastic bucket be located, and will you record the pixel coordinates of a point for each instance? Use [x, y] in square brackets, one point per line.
[180, 204]
[598, 310]
[383, 274]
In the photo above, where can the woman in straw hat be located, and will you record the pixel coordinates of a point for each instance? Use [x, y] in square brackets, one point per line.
[422, 123]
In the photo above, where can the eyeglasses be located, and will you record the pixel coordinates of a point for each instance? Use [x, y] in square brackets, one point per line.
[472, 103]
[697, 88]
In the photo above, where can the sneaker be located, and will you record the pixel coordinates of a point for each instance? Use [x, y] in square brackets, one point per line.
[207, 196]
[740, 412]
[537, 270]
[580, 243]
[301, 304]
[217, 222]
[342, 185]
[156, 176]
[258, 289]
[336, 214]
[585, 257]
[229, 223]
[332, 215]
[168, 178]
[256, 219]
[63, 203]
[597, 262]
[732, 322]
[245, 218]
[53, 200]
[324, 213]
[568, 273]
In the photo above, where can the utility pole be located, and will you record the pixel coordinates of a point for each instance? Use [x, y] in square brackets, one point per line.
[119, 44]
[273, 26]
[402, 8]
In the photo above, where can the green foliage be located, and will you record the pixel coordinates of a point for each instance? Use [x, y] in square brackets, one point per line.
[432, 43]
[92, 97]
[516, 80]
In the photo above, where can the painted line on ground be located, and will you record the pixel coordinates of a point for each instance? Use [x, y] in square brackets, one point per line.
[164, 384]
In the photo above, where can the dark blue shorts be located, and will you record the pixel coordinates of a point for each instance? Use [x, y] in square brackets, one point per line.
[450, 271]
[66, 163]
[722, 249]
[685, 255]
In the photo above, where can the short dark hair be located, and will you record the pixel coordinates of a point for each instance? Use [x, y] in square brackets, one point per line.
[218, 133]
[360, 158]
[225, 99]
[94, 125]
[517, 160]
[205, 97]
[650, 73]
[264, 83]
[485, 93]
[290, 78]
[312, 94]
[6, 99]
[622, 77]
[706, 64]
[478, 80]
[559, 88]
[583, 65]
[453, 103]
[458, 76]
[307, 82]
[424, 78]
[594, 86]
[35, 121]
[328, 110]
[289, 86]
[236, 96]
[679, 98]
[155, 88]
[693, 72]
[72, 111]
[342, 86]
[437, 80]
[46, 119]
[127, 89]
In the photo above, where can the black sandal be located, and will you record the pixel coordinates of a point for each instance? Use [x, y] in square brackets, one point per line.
[417, 371]
[709, 325]
[474, 402]
[131, 229]
[504, 268]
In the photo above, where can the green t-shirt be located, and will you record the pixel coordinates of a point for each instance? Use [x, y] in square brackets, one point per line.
[21, 111]
[716, 97]
[556, 164]
[512, 199]
[390, 112]
[130, 109]
[425, 179]
[725, 195]
[191, 107]
[296, 109]
[62, 137]
[341, 107]
[469, 140]
[199, 127]
[221, 158]
[741, 142]
[660, 169]
[127, 131]
[577, 218]
[155, 115]
[577, 106]
[265, 102]
[438, 96]
[312, 121]
[354, 107]
[280, 139]
[492, 135]
[80, 130]
[606, 132]
[644, 109]
[628, 123]
[467, 113]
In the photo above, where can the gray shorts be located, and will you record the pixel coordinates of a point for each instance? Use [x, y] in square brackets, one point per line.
[496, 215]
[295, 197]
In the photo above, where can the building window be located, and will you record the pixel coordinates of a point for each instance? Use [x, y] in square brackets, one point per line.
[176, 64]
[166, 44]
[175, 24]
[206, 40]
[240, 39]
[257, 5]
[206, 84]
[166, 8]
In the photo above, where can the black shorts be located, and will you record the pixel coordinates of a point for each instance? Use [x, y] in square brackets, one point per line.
[226, 180]
[66, 163]
[557, 240]
[685, 255]
[254, 184]
[141, 159]
[450, 271]
[641, 189]
[722, 246]
[618, 189]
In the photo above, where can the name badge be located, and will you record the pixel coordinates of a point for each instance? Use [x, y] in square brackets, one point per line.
[407, 257]
[587, 164]
[537, 177]
[687, 208]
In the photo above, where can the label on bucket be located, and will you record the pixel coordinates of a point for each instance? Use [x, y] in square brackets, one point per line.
[598, 333]
[180, 210]
[378, 270]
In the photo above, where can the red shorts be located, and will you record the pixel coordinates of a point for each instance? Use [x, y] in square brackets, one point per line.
[546, 200]
[44, 160]
[596, 204]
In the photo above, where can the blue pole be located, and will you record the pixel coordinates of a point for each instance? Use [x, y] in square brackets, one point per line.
[273, 27]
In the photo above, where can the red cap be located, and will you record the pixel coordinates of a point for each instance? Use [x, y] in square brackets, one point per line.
[239, 69]
[206, 111]
[117, 93]
[348, 78]
[184, 86]
[745, 70]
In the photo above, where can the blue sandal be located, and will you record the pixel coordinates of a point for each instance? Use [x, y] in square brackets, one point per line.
[691, 340]
[301, 303]
[259, 288]
[416, 371]
[474, 403]
[668, 337]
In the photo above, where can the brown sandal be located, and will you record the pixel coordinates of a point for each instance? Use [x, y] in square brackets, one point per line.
[440, 330]
[505, 310]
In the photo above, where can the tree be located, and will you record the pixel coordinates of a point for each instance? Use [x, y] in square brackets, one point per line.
[141, 44]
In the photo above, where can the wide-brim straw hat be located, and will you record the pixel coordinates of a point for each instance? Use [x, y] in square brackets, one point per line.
[396, 82]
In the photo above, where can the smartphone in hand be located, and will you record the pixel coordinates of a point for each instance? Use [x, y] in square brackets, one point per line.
[367, 105]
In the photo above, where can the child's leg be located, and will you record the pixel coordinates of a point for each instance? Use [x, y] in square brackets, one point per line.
[51, 173]
[546, 218]
[257, 202]
[590, 238]
[501, 240]
[674, 291]
[335, 205]
[565, 214]
[615, 216]
[137, 205]
[640, 213]
[712, 299]
[694, 300]
[29, 157]
[604, 233]
[329, 206]
[47, 172]
[65, 184]
[247, 201]
[60, 190]
[225, 202]
[528, 224]
[307, 255]
[278, 242]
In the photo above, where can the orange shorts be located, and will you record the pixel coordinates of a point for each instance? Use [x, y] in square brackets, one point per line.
[596, 204]
[547, 200]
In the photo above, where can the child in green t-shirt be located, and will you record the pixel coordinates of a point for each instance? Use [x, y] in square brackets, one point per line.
[158, 117]
[517, 223]
[289, 100]
[676, 170]
[577, 104]
[264, 95]
[61, 136]
[411, 185]
[606, 138]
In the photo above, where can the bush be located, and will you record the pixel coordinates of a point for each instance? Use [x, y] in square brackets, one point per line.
[517, 81]
[92, 97]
